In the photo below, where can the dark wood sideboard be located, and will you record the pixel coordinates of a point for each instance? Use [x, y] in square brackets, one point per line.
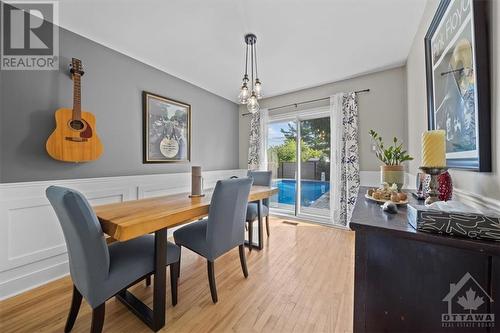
[402, 276]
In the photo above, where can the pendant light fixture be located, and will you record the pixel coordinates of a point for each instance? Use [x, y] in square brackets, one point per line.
[251, 89]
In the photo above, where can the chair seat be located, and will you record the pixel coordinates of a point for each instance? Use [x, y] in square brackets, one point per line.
[252, 211]
[194, 237]
[131, 260]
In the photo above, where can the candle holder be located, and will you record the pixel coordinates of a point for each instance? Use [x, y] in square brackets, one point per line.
[433, 191]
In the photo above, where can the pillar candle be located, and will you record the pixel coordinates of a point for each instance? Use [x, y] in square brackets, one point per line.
[434, 148]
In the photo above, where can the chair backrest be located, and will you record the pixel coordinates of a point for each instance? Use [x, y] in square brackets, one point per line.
[226, 217]
[262, 178]
[87, 249]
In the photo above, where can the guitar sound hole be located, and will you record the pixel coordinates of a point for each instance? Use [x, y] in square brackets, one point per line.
[77, 125]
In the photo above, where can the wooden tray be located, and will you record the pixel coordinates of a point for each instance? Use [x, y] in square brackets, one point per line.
[382, 201]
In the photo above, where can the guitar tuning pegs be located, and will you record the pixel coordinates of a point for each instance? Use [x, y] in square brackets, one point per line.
[72, 70]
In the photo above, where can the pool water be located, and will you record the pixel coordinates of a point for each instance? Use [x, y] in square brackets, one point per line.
[311, 191]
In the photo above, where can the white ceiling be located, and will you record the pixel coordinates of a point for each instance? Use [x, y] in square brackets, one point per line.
[300, 43]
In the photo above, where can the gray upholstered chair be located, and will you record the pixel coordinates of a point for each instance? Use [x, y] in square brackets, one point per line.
[261, 178]
[223, 230]
[100, 271]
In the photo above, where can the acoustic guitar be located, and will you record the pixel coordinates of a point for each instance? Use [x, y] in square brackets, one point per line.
[75, 138]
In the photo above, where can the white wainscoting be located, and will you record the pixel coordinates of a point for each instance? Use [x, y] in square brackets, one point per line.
[369, 178]
[32, 248]
[468, 198]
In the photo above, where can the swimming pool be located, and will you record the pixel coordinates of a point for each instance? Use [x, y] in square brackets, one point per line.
[311, 191]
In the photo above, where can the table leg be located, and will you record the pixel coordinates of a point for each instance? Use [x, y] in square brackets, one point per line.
[155, 318]
[160, 284]
[260, 246]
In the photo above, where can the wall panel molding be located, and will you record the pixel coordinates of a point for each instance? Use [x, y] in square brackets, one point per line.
[468, 198]
[32, 248]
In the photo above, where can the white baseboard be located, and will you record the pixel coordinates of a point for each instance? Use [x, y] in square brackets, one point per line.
[32, 247]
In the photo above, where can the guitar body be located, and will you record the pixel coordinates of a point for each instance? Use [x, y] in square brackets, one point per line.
[74, 140]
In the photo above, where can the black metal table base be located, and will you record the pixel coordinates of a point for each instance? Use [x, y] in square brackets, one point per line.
[155, 318]
[254, 245]
[141, 310]
[260, 244]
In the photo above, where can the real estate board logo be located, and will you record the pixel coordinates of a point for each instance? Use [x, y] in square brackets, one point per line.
[468, 305]
[29, 35]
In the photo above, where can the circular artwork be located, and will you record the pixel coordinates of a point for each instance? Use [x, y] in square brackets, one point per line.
[169, 148]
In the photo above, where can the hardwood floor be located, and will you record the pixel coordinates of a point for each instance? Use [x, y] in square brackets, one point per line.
[301, 282]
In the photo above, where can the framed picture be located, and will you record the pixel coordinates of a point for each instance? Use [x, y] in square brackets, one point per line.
[167, 129]
[458, 87]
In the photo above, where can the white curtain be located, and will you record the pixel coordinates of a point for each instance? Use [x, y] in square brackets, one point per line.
[257, 148]
[344, 165]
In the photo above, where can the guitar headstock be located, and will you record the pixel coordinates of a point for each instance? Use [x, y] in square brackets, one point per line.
[76, 67]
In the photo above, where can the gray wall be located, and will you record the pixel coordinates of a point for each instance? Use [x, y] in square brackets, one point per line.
[383, 109]
[1, 121]
[112, 87]
[485, 184]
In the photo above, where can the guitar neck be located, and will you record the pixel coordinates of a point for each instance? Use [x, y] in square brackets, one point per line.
[77, 97]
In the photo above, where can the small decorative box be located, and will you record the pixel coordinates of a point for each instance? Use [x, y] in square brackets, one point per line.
[455, 219]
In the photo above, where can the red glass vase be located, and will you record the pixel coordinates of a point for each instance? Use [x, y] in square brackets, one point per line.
[445, 186]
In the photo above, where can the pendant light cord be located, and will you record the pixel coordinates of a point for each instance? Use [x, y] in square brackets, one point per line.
[246, 64]
[252, 63]
[255, 51]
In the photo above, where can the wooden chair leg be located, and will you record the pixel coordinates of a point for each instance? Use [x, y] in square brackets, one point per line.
[179, 266]
[211, 280]
[174, 279]
[76, 301]
[243, 260]
[148, 280]
[267, 225]
[250, 235]
[98, 318]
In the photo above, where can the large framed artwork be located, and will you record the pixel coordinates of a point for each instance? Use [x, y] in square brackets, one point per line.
[458, 87]
[167, 129]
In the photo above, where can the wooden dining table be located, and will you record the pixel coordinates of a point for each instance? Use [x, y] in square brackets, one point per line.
[130, 219]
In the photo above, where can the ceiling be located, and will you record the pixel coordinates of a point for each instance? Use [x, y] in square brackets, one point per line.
[300, 43]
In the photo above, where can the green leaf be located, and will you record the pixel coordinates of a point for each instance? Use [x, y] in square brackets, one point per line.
[392, 155]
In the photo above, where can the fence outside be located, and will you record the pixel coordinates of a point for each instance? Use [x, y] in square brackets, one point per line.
[310, 170]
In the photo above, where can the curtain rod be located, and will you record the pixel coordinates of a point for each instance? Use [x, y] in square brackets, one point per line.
[305, 102]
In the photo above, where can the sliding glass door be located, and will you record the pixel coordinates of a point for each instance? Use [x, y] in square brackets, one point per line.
[282, 150]
[315, 166]
[299, 156]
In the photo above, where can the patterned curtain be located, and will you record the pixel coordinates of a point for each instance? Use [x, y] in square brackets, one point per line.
[257, 155]
[254, 142]
[345, 165]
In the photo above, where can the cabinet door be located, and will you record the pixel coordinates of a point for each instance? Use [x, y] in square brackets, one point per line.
[408, 282]
[495, 291]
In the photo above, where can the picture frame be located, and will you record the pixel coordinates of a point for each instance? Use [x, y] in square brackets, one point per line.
[458, 82]
[166, 129]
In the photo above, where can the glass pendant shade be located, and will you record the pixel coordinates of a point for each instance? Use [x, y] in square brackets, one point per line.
[251, 90]
[244, 94]
[252, 104]
[258, 89]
